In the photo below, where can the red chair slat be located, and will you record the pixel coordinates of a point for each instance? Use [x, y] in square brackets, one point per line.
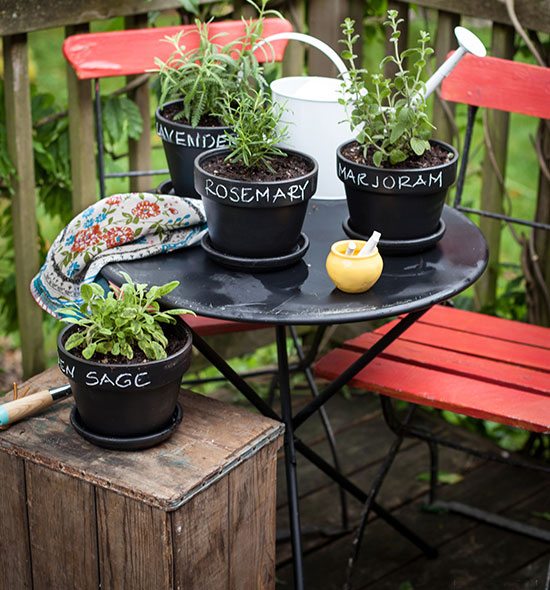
[486, 325]
[125, 53]
[457, 363]
[500, 84]
[212, 327]
[423, 386]
[480, 346]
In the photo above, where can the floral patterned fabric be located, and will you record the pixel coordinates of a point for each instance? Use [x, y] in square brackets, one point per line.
[121, 227]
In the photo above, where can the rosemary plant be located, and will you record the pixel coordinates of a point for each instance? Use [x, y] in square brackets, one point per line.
[390, 113]
[255, 130]
[201, 76]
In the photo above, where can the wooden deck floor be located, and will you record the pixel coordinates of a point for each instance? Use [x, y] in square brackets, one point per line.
[472, 556]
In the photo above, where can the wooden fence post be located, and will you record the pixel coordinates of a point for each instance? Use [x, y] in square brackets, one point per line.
[492, 190]
[445, 41]
[140, 150]
[25, 230]
[295, 54]
[325, 17]
[81, 135]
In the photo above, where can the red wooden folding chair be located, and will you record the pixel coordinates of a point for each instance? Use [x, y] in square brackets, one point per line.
[466, 362]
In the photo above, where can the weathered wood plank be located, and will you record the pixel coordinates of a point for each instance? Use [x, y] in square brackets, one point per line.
[324, 19]
[140, 150]
[387, 559]
[200, 532]
[211, 440]
[474, 559]
[135, 543]
[295, 54]
[492, 190]
[445, 41]
[18, 16]
[538, 306]
[81, 135]
[15, 564]
[62, 528]
[25, 230]
[533, 14]
[252, 496]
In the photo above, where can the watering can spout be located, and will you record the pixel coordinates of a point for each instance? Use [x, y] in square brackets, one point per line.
[467, 43]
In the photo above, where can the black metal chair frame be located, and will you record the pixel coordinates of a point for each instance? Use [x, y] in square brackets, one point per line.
[404, 428]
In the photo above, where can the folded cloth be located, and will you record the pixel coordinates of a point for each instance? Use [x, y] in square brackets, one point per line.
[121, 227]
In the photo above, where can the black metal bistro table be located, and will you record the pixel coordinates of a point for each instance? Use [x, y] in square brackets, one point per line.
[303, 294]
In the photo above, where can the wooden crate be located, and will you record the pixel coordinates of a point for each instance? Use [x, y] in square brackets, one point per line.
[197, 512]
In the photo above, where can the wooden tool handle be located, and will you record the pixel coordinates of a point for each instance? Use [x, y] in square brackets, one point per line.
[14, 411]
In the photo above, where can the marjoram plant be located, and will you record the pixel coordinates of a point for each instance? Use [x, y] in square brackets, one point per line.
[203, 75]
[254, 120]
[390, 113]
[122, 321]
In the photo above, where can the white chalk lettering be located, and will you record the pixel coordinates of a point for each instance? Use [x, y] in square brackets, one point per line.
[91, 379]
[245, 191]
[436, 179]
[361, 179]
[419, 181]
[387, 184]
[262, 194]
[280, 194]
[181, 138]
[208, 187]
[234, 195]
[105, 379]
[138, 381]
[377, 178]
[404, 181]
[124, 380]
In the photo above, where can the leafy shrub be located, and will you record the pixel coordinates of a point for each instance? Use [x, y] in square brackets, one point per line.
[119, 324]
[390, 113]
[202, 76]
[255, 132]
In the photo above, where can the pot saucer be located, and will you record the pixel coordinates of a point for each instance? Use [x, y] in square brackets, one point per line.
[165, 188]
[400, 247]
[127, 443]
[256, 264]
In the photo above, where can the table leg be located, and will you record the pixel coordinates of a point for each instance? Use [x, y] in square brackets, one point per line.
[290, 459]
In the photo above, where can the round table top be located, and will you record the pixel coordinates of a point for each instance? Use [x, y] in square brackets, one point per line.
[303, 293]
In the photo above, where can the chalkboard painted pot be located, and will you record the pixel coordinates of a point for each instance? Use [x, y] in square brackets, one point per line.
[254, 219]
[126, 400]
[182, 144]
[402, 204]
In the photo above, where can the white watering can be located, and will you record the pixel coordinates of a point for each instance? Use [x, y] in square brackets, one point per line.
[317, 122]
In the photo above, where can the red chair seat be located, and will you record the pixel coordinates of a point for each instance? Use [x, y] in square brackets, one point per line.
[125, 53]
[465, 362]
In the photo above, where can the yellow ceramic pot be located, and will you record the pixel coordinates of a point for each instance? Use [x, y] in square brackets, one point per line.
[353, 274]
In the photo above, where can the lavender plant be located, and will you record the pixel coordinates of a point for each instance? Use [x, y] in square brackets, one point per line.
[389, 113]
[203, 75]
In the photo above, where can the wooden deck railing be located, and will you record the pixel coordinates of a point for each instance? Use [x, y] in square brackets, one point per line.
[19, 18]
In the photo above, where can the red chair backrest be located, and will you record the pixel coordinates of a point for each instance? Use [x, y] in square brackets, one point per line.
[500, 84]
[125, 53]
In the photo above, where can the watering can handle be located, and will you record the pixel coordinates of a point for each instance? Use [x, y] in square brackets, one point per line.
[314, 42]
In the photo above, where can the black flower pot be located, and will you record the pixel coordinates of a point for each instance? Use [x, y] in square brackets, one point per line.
[182, 144]
[126, 400]
[402, 204]
[254, 219]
